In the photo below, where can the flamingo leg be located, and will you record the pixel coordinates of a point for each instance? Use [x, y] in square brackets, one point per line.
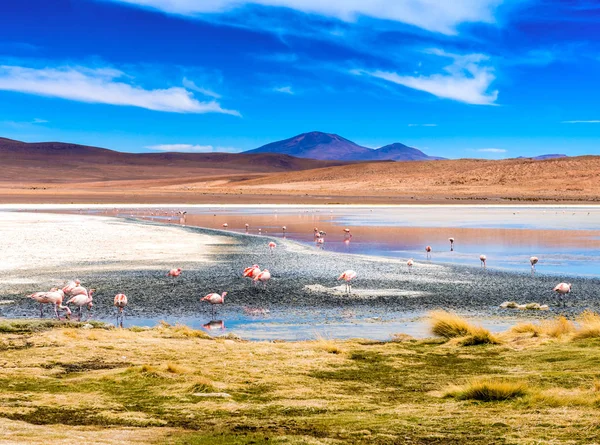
[41, 310]
[56, 311]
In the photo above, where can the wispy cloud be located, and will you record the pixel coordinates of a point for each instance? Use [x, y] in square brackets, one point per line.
[441, 16]
[581, 122]
[24, 124]
[467, 79]
[190, 148]
[102, 85]
[39, 121]
[285, 90]
[491, 150]
[422, 125]
[190, 85]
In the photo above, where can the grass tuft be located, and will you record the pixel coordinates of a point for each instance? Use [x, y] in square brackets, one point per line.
[557, 327]
[174, 368]
[449, 325]
[589, 325]
[488, 390]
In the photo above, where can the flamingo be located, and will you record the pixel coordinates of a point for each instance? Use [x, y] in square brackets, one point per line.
[428, 250]
[120, 302]
[214, 325]
[533, 260]
[263, 277]
[283, 229]
[348, 276]
[321, 241]
[70, 286]
[251, 272]
[410, 263]
[272, 246]
[213, 299]
[55, 297]
[174, 272]
[483, 259]
[562, 289]
[316, 232]
[81, 300]
[78, 290]
[225, 225]
[247, 227]
[451, 244]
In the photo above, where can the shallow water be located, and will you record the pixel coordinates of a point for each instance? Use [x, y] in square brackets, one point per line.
[307, 326]
[566, 239]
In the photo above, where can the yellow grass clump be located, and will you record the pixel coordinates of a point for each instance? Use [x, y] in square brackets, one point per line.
[174, 368]
[555, 328]
[328, 345]
[449, 325]
[488, 390]
[589, 325]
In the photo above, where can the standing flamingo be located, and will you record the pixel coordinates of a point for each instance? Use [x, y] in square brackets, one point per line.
[410, 264]
[316, 232]
[251, 272]
[55, 297]
[451, 244]
[283, 229]
[213, 299]
[272, 246]
[483, 260]
[84, 299]
[263, 277]
[247, 227]
[225, 225]
[120, 302]
[428, 251]
[533, 260]
[348, 276]
[562, 289]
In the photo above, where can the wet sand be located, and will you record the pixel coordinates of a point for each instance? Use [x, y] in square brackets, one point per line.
[113, 255]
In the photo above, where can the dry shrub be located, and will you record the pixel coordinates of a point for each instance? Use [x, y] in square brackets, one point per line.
[557, 327]
[150, 371]
[589, 325]
[174, 368]
[328, 345]
[202, 384]
[524, 328]
[180, 331]
[449, 325]
[488, 390]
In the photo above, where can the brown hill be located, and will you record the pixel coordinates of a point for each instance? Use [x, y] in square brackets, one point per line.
[570, 179]
[57, 162]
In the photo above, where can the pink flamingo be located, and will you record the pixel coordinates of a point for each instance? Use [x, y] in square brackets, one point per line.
[533, 260]
[225, 225]
[428, 251]
[483, 260]
[120, 302]
[263, 277]
[320, 241]
[251, 272]
[214, 325]
[174, 272]
[451, 244]
[215, 298]
[410, 264]
[348, 276]
[272, 246]
[55, 297]
[70, 286]
[81, 300]
[347, 234]
[316, 232]
[283, 229]
[562, 289]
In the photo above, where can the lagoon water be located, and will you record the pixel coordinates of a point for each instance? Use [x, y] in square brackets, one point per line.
[565, 238]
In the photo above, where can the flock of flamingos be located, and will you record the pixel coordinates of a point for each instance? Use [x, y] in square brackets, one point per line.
[79, 296]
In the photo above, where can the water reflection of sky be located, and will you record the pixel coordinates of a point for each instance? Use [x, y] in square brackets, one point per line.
[567, 240]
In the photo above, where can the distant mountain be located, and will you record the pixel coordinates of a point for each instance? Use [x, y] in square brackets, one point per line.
[325, 146]
[401, 152]
[544, 157]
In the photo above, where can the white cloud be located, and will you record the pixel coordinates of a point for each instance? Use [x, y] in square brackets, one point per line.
[39, 121]
[285, 90]
[491, 150]
[189, 148]
[422, 125]
[101, 85]
[465, 80]
[442, 16]
[190, 85]
[581, 122]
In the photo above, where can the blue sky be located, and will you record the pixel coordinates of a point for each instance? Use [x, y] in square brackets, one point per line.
[467, 78]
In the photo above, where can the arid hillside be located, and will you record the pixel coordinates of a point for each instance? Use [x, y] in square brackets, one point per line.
[64, 173]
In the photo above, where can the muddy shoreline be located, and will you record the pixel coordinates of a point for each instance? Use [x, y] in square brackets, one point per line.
[301, 278]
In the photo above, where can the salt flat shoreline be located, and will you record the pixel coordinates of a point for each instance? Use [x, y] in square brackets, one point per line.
[213, 260]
